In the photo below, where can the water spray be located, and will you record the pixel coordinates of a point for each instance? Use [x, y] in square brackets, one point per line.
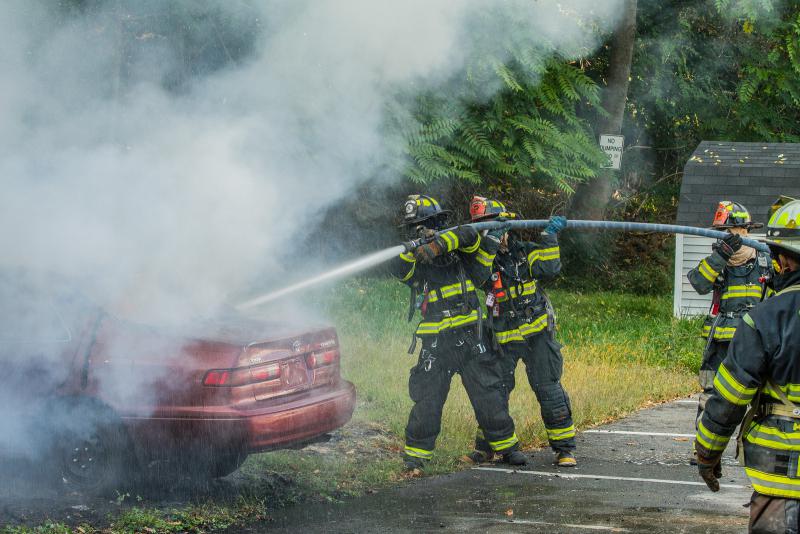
[384, 255]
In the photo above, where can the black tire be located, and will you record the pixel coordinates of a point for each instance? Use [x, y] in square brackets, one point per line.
[92, 450]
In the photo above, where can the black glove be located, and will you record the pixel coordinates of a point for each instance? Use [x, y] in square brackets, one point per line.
[710, 470]
[727, 246]
[427, 252]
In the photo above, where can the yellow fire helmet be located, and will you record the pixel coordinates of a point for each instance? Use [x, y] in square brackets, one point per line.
[783, 229]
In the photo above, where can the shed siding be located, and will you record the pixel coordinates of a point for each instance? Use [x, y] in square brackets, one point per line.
[689, 250]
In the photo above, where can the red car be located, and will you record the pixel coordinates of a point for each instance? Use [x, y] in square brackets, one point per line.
[109, 397]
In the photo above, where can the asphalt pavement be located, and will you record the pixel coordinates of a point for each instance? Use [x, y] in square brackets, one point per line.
[633, 476]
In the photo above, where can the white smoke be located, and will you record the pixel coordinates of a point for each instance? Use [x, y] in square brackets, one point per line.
[170, 201]
[165, 181]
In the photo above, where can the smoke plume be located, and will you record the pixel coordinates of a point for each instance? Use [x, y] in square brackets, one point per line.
[164, 156]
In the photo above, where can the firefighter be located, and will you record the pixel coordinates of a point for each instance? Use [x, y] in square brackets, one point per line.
[439, 269]
[735, 275]
[522, 324]
[762, 368]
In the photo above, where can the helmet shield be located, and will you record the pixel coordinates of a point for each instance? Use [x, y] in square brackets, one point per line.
[482, 208]
[732, 215]
[419, 208]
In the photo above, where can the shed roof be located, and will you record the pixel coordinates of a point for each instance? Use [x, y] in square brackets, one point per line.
[752, 174]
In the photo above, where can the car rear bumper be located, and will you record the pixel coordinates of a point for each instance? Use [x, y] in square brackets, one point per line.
[252, 428]
[302, 421]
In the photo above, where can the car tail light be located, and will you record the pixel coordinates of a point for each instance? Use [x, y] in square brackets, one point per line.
[217, 377]
[242, 376]
[318, 359]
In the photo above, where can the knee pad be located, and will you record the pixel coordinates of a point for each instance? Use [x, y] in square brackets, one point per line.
[554, 402]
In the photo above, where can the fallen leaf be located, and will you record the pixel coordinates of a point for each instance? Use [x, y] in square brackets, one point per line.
[680, 439]
[510, 512]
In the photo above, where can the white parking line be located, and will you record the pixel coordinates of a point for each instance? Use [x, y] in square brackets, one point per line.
[568, 525]
[632, 433]
[692, 402]
[605, 477]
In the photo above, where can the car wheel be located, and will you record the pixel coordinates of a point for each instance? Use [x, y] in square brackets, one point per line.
[92, 451]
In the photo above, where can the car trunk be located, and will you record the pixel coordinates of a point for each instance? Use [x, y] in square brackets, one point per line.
[225, 367]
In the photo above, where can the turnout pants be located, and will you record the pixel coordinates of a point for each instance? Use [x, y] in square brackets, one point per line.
[429, 383]
[773, 515]
[712, 358]
[544, 366]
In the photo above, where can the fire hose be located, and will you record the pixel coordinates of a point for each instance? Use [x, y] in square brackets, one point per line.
[382, 256]
[601, 225]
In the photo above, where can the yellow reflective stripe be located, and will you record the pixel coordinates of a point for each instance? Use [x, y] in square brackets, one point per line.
[533, 256]
[549, 253]
[472, 248]
[535, 326]
[774, 485]
[484, 258]
[792, 391]
[449, 291]
[528, 288]
[504, 443]
[732, 292]
[730, 388]
[773, 438]
[451, 239]
[710, 440]
[430, 327]
[418, 453]
[749, 321]
[555, 434]
[721, 332]
[708, 273]
[508, 336]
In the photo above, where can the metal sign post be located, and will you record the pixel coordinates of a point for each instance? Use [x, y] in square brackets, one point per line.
[612, 146]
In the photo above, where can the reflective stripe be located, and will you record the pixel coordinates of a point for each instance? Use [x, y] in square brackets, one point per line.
[730, 388]
[484, 258]
[792, 391]
[748, 291]
[774, 485]
[749, 321]
[721, 332]
[418, 453]
[709, 440]
[450, 239]
[430, 327]
[449, 291]
[528, 288]
[708, 273]
[555, 434]
[523, 331]
[472, 248]
[504, 444]
[546, 254]
[773, 438]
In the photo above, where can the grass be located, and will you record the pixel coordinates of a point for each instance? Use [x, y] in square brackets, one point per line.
[621, 352]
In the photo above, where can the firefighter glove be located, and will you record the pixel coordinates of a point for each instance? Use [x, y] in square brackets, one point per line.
[727, 246]
[556, 224]
[427, 252]
[710, 470]
[500, 231]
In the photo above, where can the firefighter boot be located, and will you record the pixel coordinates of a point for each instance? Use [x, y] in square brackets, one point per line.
[515, 457]
[412, 464]
[566, 459]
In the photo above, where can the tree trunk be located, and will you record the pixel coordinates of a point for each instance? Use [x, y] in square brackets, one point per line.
[591, 198]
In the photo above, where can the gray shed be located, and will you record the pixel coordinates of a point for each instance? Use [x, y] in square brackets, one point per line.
[753, 174]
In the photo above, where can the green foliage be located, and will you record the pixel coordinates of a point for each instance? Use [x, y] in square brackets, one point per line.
[529, 132]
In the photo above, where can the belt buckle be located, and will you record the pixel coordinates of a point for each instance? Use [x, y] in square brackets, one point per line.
[446, 313]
